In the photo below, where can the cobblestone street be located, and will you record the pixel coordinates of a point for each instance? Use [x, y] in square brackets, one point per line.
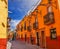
[22, 45]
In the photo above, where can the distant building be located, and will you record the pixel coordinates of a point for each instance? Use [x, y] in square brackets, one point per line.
[10, 35]
[42, 25]
[8, 24]
[3, 23]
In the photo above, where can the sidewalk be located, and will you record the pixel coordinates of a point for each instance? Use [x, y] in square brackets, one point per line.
[22, 45]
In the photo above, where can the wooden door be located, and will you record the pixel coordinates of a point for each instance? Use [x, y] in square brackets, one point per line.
[43, 38]
[38, 39]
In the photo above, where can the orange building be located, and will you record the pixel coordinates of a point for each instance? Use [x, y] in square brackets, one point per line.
[42, 25]
[10, 35]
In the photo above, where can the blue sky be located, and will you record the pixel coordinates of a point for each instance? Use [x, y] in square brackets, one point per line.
[17, 9]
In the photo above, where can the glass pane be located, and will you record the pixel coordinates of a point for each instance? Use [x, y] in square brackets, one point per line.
[50, 9]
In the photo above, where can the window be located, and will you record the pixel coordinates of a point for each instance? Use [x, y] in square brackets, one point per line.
[29, 28]
[49, 1]
[49, 18]
[18, 27]
[49, 9]
[25, 26]
[21, 28]
[53, 33]
[35, 24]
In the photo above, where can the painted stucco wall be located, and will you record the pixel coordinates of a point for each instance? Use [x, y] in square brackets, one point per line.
[3, 23]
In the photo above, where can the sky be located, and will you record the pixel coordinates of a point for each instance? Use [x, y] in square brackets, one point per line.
[17, 9]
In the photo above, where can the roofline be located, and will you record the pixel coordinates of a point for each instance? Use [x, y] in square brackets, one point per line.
[31, 10]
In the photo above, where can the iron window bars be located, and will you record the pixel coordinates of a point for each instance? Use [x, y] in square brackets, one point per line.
[49, 18]
[53, 34]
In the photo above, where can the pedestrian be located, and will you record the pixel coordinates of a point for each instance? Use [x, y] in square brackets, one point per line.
[8, 45]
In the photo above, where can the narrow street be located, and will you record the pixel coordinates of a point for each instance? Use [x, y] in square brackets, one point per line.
[22, 45]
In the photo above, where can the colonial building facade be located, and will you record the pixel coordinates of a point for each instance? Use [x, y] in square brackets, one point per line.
[42, 26]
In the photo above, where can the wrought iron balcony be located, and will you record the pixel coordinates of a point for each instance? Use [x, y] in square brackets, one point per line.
[24, 27]
[8, 25]
[21, 29]
[35, 25]
[49, 18]
[29, 28]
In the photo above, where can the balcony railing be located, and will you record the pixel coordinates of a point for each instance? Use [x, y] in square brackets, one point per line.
[21, 29]
[8, 25]
[29, 28]
[49, 18]
[24, 27]
[35, 25]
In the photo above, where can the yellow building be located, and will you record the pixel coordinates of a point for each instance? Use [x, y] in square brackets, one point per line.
[3, 23]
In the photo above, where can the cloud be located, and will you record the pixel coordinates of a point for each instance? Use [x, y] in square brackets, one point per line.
[19, 8]
[13, 24]
[10, 12]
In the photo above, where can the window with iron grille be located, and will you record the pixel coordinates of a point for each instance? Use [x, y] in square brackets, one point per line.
[29, 28]
[49, 1]
[18, 27]
[49, 18]
[25, 26]
[21, 28]
[35, 25]
[53, 33]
